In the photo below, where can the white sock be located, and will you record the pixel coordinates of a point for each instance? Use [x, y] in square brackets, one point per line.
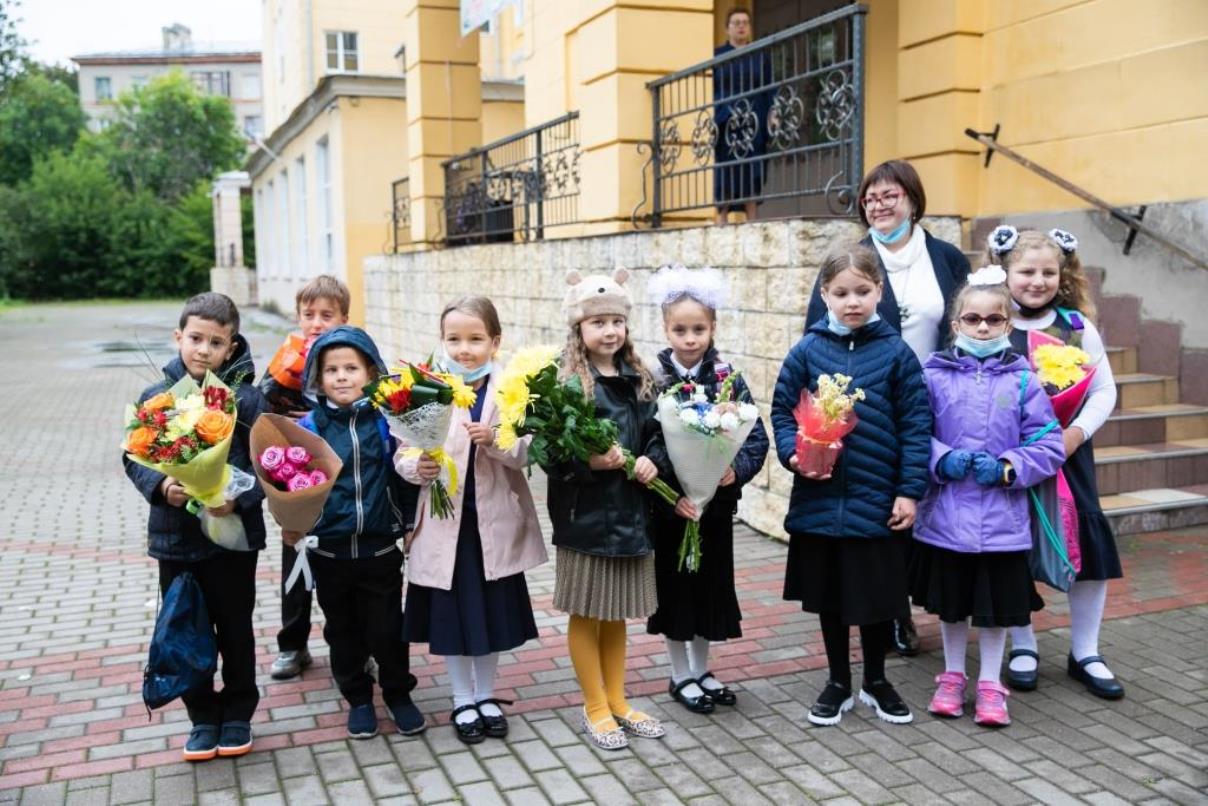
[1023, 638]
[956, 639]
[681, 668]
[1087, 599]
[698, 659]
[991, 641]
[461, 683]
[484, 682]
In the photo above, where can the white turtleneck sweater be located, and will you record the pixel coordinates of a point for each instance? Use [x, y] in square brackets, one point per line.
[920, 300]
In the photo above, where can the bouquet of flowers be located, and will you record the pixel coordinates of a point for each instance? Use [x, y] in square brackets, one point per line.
[185, 433]
[282, 383]
[1063, 370]
[703, 437]
[295, 497]
[824, 418]
[418, 402]
[559, 416]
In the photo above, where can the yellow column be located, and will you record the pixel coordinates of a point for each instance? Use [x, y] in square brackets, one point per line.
[939, 82]
[444, 104]
[612, 49]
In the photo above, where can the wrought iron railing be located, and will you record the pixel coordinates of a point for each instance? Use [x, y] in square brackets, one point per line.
[779, 121]
[516, 187]
[400, 212]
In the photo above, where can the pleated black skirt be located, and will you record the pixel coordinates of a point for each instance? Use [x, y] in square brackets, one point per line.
[994, 589]
[861, 579]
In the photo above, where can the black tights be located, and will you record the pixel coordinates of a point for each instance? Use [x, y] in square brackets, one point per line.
[874, 638]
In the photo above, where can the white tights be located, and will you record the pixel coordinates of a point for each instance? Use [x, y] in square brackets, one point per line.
[1087, 599]
[991, 641]
[472, 679]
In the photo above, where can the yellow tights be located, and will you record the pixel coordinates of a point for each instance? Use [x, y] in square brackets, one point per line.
[597, 650]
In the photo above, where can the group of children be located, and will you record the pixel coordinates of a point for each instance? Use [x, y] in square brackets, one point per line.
[946, 449]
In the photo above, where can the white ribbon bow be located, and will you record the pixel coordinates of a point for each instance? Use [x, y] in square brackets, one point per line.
[302, 564]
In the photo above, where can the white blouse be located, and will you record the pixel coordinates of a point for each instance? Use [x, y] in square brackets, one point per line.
[920, 299]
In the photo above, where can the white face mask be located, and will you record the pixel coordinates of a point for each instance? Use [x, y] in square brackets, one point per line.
[467, 375]
[982, 348]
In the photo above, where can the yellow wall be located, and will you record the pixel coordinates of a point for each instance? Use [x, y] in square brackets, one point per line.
[1109, 94]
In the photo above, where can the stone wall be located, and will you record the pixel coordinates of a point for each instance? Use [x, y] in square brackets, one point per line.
[771, 268]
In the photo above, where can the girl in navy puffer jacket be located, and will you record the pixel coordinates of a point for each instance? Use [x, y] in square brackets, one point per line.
[847, 530]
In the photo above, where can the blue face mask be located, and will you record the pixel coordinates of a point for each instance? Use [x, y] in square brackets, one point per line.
[467, 375]
[839, 329]
[982, 348]
[893, 236]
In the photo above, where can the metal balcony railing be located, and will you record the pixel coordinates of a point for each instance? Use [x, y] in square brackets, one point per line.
[400, 212]
[514, 188]
[779, 121]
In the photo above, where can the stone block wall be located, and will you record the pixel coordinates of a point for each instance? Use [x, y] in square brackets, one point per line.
[771, 269]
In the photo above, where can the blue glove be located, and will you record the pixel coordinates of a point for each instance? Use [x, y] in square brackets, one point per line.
[987, 470]
[955, 465]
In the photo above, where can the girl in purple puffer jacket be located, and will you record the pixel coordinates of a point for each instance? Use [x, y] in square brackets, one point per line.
[995, 435]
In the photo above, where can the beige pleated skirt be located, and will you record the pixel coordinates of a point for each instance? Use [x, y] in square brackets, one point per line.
[605, 588]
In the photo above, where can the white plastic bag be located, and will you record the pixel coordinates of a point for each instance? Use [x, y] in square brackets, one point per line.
[228, 530]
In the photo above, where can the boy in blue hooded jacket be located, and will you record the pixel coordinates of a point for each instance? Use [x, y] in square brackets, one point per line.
[357, 562]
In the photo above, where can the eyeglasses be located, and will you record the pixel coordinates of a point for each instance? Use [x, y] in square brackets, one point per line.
[993, 320]
[887, 200]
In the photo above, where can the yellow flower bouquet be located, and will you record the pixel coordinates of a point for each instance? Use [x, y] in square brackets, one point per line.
[1066, 373]
[823, 418]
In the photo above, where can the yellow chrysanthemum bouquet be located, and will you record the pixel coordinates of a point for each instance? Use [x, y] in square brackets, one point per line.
[418, 401]
[557, 414]
[1065, 371]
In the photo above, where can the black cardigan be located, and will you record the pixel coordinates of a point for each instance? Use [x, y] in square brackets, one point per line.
[951, 270]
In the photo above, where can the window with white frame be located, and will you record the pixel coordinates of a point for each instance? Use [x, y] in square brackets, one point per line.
[284, 244]
[301, 211]
[104, 88]
[212, 82]
[342, 56]
[138, 82]
[253, 126]
[249, 86]
[327, 245]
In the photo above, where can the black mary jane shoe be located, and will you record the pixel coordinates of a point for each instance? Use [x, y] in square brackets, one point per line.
[469, 732]
[1022, 681]
[1107, 688]
[701, 704]
[495, 726]
[721, 696]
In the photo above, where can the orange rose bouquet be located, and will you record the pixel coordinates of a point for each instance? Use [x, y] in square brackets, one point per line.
[185, 433]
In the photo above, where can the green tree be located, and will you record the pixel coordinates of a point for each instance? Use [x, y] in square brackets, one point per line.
[168, 135]
[37, 116]
[12, 46]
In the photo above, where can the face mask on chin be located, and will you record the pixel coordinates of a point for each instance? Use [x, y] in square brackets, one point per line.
[467, 375]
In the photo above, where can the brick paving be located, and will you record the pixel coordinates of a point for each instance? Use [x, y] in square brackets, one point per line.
[77, 600]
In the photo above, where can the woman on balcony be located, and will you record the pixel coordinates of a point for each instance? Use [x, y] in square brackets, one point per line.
[741, 139]
[921, 275]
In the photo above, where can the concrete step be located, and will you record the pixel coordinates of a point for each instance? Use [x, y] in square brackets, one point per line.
[1157, 509]
[1139, 389]
[1123, 360]
[1150, 424]
[1121, 468]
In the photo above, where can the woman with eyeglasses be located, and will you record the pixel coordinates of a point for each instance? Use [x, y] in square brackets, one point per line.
[921, 275]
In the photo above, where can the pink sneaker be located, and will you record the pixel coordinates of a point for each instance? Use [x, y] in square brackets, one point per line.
[949, 699]
[991, 707]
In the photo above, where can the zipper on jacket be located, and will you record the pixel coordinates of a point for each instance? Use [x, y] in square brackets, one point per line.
[356, 477]
[851, 348]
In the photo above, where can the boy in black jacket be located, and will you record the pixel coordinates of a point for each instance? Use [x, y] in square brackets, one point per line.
[357, 561]
[208, 338]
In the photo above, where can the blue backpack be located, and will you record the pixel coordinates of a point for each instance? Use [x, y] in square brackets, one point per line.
[183, 652]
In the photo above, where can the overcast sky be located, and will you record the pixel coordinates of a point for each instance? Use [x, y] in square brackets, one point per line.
[66, 28]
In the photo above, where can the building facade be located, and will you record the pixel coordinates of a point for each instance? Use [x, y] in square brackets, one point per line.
[231, 71]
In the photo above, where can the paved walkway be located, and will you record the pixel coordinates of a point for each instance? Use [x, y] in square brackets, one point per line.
[77, 604]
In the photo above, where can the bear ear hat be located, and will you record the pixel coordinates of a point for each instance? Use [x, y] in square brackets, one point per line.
[620, 275]
[573, 277]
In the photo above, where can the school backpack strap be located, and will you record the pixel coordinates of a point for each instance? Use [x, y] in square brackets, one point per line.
[1072, 318]
[1023, 393]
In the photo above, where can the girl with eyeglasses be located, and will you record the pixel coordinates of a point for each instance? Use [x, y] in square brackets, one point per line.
[994, 436]
[1052, 295]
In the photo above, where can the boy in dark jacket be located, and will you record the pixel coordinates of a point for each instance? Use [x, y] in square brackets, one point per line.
[321, 304]
[208, 338]
[356, 558]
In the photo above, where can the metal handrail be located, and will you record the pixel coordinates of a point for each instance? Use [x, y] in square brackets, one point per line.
[1134, 224]
[511, 138]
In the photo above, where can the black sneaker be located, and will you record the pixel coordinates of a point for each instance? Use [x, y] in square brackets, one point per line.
[407, 718]
[202, 744]
[235, 739]
[362, 721]
[882, 698]
[834, 701]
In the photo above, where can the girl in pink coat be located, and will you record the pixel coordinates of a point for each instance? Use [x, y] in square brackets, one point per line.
[467, 597]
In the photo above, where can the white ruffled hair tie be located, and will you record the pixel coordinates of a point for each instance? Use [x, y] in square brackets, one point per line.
[988, 275]
[672, 282]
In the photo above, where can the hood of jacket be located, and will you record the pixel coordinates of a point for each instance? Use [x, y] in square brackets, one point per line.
[342, 336]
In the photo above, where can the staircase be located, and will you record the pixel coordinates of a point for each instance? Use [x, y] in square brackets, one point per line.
[1151, 456]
